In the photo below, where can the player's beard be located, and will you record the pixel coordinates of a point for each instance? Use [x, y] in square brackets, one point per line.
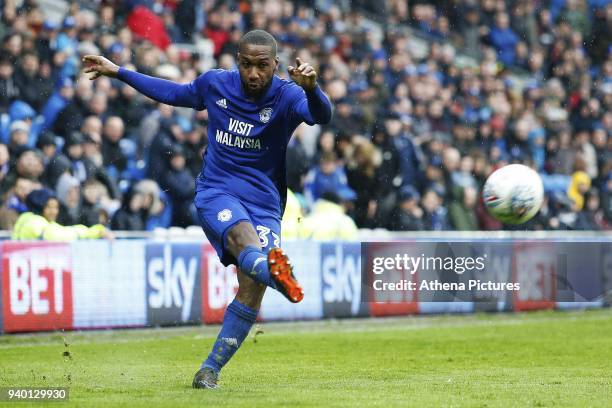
[257, 92]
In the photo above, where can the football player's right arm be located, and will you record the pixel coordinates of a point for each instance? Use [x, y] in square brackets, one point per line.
[161, 90]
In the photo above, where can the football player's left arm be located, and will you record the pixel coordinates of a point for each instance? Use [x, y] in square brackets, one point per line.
[315, 107]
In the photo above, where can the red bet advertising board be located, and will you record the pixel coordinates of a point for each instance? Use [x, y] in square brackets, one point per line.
[36, 286]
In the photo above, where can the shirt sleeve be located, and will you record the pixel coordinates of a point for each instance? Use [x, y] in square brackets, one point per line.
[29, 227]
[61, 233]
[189, 95]
[311, 107]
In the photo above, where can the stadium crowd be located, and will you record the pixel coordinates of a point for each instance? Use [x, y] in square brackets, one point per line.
[416, 129]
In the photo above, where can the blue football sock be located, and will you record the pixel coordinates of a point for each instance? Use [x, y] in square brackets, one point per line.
[237, 323]
[253, 262]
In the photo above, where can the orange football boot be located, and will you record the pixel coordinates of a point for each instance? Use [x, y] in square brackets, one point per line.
[282, 274]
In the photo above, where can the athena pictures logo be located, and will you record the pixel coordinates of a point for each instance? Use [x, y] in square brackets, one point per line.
[265, 114]
[224, 215]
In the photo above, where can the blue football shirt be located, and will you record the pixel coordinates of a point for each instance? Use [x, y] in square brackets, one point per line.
[248, 138]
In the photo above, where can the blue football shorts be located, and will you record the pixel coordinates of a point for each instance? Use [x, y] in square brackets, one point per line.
[218, 211]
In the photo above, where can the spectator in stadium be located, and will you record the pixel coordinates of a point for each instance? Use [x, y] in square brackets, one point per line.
[111, 150]
[98, 105]
[9, 91]
[130, 216]
[16, 197]
[33, 88]
[408, 154]
[586, 152]
[298, 162]
[435, 214]
[463, 176]
[178, 182]
[524, 23]
[362, 177]
[18, 137]
[29, 165]
[73, 148]
[327, 176]
[602, 152]
[168, 134]
[462, 211]
[19, 111]
[388, 175]
[451, 160]
[504, 39]
[591, 217]
[94, 163]
[66, 48]
[345, 119]
[328, 221]
[40, 222]
[326, 144]
[56, 163]
[13, 44]
[92, 125]
[44, 45]
[57, 102]
[408, 216]
[195, 146]
[579, 186]
[563, 217]
[130, 107]
[71, 117]
[156, 205]
[575, 15]
[150, 129]
[69, 196]
[47, 145]
[94, 206]
[518, 141]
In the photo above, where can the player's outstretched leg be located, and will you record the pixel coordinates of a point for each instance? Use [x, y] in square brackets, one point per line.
[282, 273]
[272, 269]
[253, 263]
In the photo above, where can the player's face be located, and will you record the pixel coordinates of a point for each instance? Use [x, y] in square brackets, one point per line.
[256, 65]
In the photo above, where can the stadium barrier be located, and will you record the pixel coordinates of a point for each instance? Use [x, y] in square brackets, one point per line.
[137, 283]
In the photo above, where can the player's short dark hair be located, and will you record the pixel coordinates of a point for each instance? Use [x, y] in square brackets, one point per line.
[258, 37]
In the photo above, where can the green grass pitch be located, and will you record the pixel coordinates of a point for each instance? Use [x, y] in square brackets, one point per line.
[484, 360]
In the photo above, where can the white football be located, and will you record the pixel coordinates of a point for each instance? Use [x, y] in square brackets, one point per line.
[513, 194]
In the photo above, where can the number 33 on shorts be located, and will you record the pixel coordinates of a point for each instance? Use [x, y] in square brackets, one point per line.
[263, 237]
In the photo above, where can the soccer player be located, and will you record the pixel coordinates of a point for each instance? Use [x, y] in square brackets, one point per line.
[241, 190]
